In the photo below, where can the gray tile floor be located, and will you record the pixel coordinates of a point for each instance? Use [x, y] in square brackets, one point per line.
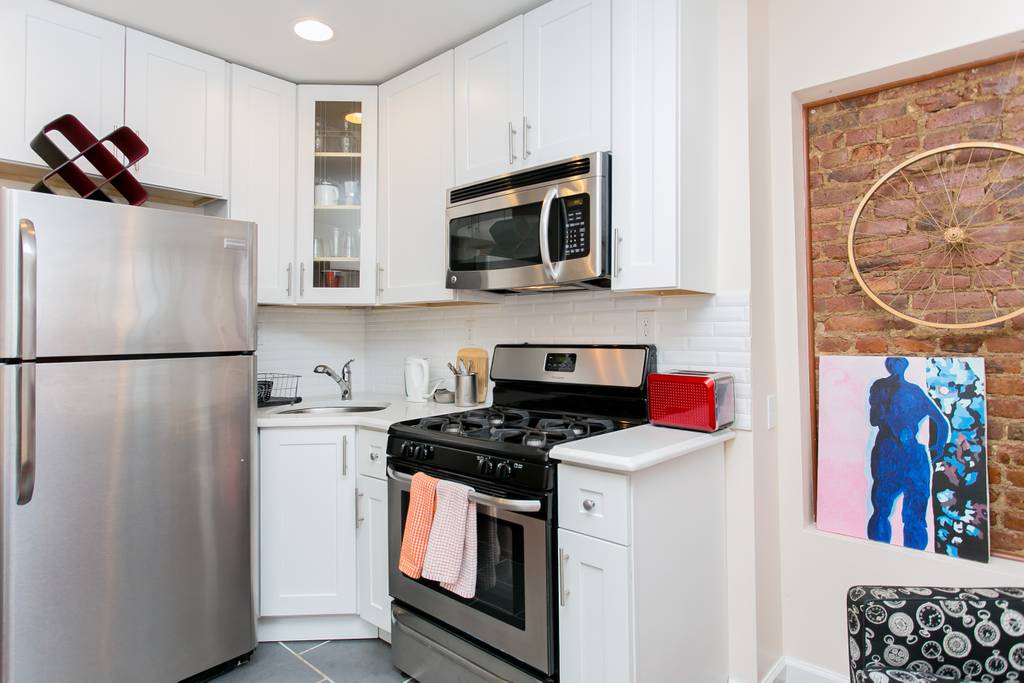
[319, 661]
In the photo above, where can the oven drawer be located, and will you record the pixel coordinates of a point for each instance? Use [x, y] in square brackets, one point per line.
[432, 654]
[371, 453]
[594, 503]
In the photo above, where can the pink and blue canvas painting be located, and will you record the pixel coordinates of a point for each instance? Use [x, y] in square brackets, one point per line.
[902, 452]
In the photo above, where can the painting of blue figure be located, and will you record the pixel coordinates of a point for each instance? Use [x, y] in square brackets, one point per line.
[902, 452]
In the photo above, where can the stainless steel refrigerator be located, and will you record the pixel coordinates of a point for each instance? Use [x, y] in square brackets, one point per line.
[126, 424]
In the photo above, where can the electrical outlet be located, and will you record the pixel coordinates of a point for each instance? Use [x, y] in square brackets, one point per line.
[469, 330]
[644, 327]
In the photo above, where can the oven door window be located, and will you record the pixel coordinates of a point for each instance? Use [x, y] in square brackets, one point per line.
[500, 575]
[510, 237]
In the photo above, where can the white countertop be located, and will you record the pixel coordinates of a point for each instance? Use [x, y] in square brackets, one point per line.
[398, 410]
[636, 448]
[628, 450]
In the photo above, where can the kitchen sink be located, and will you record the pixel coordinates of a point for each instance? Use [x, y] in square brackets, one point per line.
[333, 410]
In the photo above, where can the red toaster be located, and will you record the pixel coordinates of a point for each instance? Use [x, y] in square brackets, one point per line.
[702, 401]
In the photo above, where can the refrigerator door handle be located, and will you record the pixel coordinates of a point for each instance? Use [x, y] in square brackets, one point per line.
[28, 289]
[26, 482]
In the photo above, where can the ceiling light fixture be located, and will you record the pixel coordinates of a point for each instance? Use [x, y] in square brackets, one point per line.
[313, 29]
[355, 117]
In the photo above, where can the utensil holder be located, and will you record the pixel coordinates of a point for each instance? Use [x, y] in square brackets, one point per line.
[465, 390]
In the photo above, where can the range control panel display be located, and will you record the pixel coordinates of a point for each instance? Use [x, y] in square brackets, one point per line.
[577, 226]
[560, 362]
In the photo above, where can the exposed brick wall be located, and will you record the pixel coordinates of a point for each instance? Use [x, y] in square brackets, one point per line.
[851, 144]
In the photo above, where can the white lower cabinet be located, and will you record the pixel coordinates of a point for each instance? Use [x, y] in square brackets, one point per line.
[307, 521]
[372, 550]
[642, 584]
[323, 533]
[593, 612]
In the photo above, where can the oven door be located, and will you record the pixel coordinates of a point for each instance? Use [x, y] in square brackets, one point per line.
[512, 611]
[533, 237]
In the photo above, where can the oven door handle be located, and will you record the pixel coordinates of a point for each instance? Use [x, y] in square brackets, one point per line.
[550, 268]
[508, 504]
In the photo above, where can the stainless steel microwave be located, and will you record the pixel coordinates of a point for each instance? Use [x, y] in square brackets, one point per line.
[540, 229]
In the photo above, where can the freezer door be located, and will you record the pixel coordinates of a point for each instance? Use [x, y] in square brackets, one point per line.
[131, 562]
[121, 280]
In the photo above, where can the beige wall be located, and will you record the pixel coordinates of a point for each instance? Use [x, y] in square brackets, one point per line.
[814, 49]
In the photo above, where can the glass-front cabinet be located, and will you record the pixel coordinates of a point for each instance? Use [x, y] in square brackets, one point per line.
[337, 198]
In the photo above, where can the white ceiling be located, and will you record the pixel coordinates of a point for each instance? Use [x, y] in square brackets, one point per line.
[373, 39]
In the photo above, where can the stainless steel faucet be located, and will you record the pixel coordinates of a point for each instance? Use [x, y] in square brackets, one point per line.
[344, 380]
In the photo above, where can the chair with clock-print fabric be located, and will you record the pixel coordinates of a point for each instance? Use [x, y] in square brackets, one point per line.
[909, 634]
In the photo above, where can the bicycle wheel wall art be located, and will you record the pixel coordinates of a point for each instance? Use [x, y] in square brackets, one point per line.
[902, 452]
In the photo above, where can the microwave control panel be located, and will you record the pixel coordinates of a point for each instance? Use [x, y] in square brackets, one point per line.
[577, 226]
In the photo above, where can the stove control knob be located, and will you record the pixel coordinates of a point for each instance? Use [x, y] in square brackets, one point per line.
[504, 471]
[406, 449]
[428, 452]
[417, 452]
[486, 467]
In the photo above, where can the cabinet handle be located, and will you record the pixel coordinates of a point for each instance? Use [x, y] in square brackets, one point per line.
[344, 456]
[302, 279]
[380, 279]
[511, 144]
[138, 164]
[563, 592]
[359, 520]
[288, 289]
[589, 504]
[526, 133]
[617, 252]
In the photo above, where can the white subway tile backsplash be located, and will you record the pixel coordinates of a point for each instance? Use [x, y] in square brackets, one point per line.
[699, 332]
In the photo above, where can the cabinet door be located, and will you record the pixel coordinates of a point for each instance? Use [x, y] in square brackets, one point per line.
[489, 103]
[372, 542]
[567, 66]
[415, 172]
[307, 522]
[661, 94]
[56, 61]
[337, 194]
[263, 174]
[593, 615]
[176, 99]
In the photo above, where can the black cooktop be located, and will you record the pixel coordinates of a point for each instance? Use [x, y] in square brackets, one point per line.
[544, 396]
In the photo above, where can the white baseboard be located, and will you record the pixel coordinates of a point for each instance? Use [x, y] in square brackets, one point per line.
[790, 670]
[328, 627]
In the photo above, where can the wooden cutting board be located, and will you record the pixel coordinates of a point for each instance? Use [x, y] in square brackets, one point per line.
[477, 358]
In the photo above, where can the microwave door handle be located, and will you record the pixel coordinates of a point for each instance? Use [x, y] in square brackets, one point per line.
[545, 217]
[508, 504]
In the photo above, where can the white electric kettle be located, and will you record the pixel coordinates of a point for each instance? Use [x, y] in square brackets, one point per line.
[417, 379]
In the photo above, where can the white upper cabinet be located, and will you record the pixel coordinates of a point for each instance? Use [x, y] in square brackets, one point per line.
[336, 231]
[176, 99]
[56, 61]
[415, 172]
[489, 103]
[263, 174]
[567, 66]
[663, 195]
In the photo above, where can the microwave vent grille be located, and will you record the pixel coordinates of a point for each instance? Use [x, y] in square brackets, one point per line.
[545, 174]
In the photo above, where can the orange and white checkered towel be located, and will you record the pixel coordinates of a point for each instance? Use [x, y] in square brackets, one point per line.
[446, 548]
[417, 525]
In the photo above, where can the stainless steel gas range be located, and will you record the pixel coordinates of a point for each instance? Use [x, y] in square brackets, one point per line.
[543, 396]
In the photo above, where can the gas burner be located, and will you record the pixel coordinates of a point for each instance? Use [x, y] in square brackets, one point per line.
[500, 417]
[534, 438]
[579, 426]
[459, 425]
